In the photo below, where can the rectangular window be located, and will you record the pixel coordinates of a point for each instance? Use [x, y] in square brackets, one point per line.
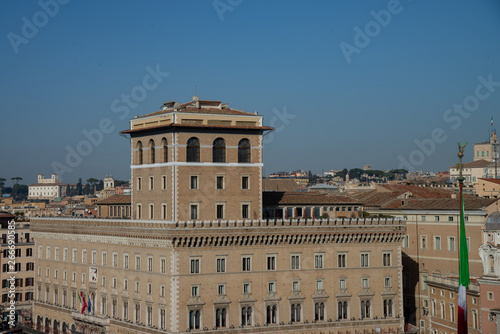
[151, 211]
[295, 261]
[450, 218]
[125, 284]
[84, 256]
[115, 259]
[364, 283]
[195, 266]
[137, 262]
[139, 183]
[405, 242]
[162, 290]
[271, 287]
[244, 182]
[364, 260]
[219, 181]
[163, 182]
[220, 211]
[94, 257]
[246, 263]
[387, 282]
[163, 266]
[244, 211]
[386, 259]
[341, 260]
[150, 263]
[451, 243]
[436, 218]
[271, 262]
[195, 290]
[139, 211]
[342, 285]
[295, 286]
[104, 259]
[163, 211]
[246, 287]
[221, 289]
[319, 285]
[56, 254]
[151, 183]
[103, 280]
[221, 265]
[194, 182]
[65, 254]
[318, 261]
[437, 243]
[423, 242]
[125, 261]
[194, 211]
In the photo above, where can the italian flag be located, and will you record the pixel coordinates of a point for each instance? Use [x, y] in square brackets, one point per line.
[463, 276]
[82, 301]
[491, 120]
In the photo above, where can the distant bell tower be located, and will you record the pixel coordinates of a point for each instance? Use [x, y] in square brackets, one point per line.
[487, 150]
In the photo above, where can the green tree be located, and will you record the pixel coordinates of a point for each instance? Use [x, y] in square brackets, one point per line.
[16, 179]
[79, 187]
[19, 192]
[86, 189]
[93, 182]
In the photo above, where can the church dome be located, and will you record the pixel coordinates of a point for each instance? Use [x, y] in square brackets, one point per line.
[493, 222]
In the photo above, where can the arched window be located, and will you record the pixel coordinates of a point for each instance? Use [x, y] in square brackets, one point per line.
[319, 311]
[219, 150]
[139, 148]
[244, 150]
[152, 149]
[165, 149]
[193, 150]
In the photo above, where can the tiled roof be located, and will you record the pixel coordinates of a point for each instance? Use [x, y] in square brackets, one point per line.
[447, 204]
[477, 164]
[283, 185]
[177, 125]
[497, 181]
[116, 199]
[289, 198]
[388, 196]
[190, 107]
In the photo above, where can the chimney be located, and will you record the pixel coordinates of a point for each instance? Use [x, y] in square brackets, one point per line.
[195, 98]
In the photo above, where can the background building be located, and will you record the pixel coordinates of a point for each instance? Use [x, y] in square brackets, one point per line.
[23, 267]
[49, 188]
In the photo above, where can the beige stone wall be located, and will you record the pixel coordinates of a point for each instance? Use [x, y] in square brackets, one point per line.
[178, 244]
[487, 189]
[178, 194]
[420, 262]
[25, 247]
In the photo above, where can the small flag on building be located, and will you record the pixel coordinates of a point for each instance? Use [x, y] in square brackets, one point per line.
[491, 120]
[90, 305]
[82, 302]
[463, 276]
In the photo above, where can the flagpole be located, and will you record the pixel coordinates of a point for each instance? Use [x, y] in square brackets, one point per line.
[463, 260]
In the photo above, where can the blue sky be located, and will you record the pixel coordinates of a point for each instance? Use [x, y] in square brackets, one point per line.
[274, 57]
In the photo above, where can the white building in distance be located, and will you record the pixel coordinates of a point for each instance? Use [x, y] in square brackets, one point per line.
[45, 188]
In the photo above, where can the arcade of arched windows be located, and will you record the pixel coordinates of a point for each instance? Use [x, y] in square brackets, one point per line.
[149, 153]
